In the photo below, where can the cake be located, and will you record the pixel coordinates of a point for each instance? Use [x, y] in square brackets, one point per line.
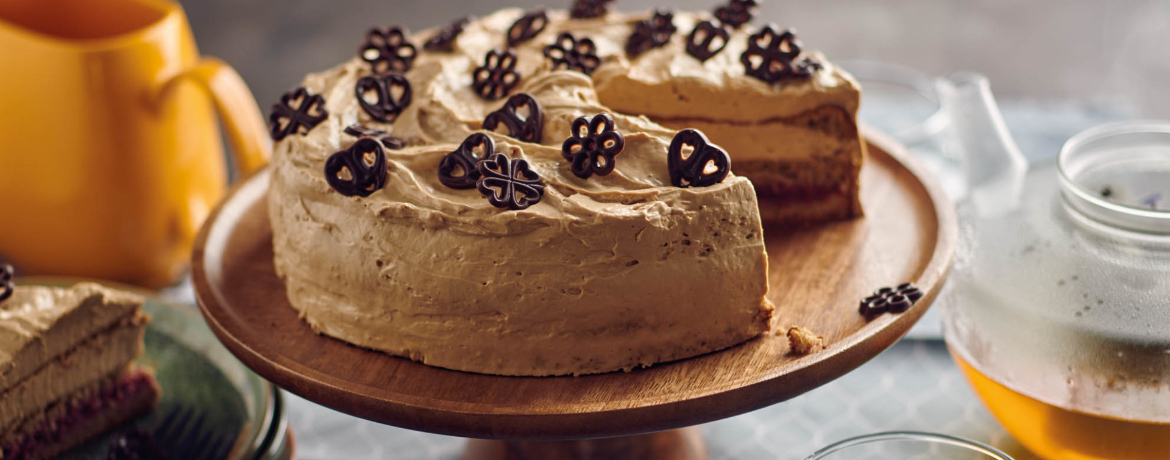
[539, 193]
[66, 371]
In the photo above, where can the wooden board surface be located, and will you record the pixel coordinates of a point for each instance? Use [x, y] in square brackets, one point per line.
[817, 274]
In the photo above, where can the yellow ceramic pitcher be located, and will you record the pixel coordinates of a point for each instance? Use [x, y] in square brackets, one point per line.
[110, 155]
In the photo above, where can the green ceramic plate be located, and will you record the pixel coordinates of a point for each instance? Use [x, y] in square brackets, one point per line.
[197, 372]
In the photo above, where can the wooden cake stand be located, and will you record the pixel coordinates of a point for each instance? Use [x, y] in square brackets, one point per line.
[818, 276]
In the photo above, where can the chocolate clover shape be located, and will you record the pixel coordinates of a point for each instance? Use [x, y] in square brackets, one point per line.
[497, 76]
[358, 170]
[457, 169]
[573, 54]
[706, 40]
[694, 162]
[383, 96]
[527, 27]
[444, 39]
[297, 109]
[6, 285]
[387, 50]
[586, 9]
[888, 299]
[521, 115]
[736, 13]
[592, 147]
[771, 56]
[388, 141]
[509, 183]
[651, 33]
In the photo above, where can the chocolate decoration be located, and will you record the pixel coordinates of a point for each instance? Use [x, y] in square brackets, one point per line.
[365, 163]
[692, 170]
[706, 33]
[388, 141]
[888, 299]
[464, 159]
[6, 284]
[592, 147]
[573, 54]
[651, 33]
[387, 50]
[528, 128]
[387, 106]
[586, 9]
[444, 39]
[295, 111]
[774, 61]
[497, 76]
[527, 27]
[509, 183]
[736, 13]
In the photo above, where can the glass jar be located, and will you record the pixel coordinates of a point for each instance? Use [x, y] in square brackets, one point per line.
[1058, 306]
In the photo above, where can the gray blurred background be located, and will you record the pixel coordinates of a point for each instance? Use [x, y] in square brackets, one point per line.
[1097, 52]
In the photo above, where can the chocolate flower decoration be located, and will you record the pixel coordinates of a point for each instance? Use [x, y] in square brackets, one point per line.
[592, 147]
[521, 114]
[694, 162]
[497, 76]
[358, 170]
[895, 300]
[586, 9]
[770, 56]
[458, 169]
[444, 39]
[6, 285]
[296, 109]
[387, 50]
[391, 92]
[651, 33]
[736, 13]
[388, 141]
[706, 40]
[527, 27]
[573, 54]
[509, 183]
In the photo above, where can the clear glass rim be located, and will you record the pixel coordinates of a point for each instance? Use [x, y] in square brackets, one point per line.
[911, 79]
[919, 436]
[1087, 202]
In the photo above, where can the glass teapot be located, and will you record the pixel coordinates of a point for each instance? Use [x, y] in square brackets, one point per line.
[1058, 306]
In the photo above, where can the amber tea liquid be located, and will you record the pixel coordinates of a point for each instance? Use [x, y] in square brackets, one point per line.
[1057, 433]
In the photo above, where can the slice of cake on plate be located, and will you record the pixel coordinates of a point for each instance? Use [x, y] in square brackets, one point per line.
[66, 367]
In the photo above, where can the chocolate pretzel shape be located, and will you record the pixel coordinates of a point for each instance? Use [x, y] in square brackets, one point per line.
[736, 13]
[387, 50]
[444, 39]
[6, 284]
[464, 159]
[528, 128]
[509, 183]
[651, 33]
[586, 9]
[386, 107]
[703, 36]
[776, 57]
[692, 170]
[592, 147]
[497, 76]
[365, 164]
[295, 111]
[573, 54]
[527, 27]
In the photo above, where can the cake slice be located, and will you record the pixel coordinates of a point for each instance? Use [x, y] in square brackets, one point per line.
[66, 367]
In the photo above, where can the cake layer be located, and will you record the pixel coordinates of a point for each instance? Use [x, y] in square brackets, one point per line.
[38, 324]
[97, 356]
[77, 417]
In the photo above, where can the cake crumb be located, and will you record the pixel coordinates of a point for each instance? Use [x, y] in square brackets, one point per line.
[803, 341]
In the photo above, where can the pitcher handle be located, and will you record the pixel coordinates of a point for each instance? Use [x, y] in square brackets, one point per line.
[992, 163]
[242, 121]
